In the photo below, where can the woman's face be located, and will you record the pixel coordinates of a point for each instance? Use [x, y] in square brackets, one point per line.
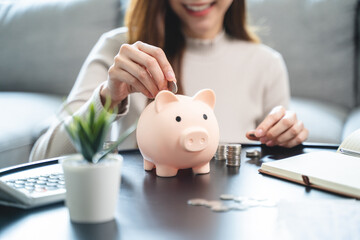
[201, 18]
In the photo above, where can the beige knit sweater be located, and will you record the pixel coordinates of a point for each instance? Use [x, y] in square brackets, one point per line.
[248, 79]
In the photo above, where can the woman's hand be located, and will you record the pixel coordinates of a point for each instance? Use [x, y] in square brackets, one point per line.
[281, 128]
[138, 67]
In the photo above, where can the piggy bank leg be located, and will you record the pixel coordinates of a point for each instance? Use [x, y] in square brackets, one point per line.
[202, 169]
[165, 171]
[148, 166]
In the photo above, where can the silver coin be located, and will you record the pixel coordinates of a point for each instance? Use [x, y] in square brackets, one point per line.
[226, 197]
[211, 204]
[253, 154]
[197, 202]
[220, 208]
[220, 152]
[172, 86]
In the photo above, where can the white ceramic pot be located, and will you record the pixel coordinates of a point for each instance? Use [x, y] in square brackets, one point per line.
[92, 190]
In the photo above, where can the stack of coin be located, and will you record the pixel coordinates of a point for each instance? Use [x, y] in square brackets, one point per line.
[233, 155]
[220, 152]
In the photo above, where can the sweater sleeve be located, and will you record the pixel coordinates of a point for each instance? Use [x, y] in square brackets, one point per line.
[94, 72]
[277, 90]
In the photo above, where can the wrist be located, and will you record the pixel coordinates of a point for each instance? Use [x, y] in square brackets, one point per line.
[117, 102]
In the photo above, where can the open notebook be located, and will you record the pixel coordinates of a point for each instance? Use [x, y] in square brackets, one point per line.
[337, 172]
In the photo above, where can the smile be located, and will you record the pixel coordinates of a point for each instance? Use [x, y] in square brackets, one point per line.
[199, 8]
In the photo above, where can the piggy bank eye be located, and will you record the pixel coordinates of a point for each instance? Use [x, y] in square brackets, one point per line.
[205, 116]
[178, 118]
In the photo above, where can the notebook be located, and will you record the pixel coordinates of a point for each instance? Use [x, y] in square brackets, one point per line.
[337, 172]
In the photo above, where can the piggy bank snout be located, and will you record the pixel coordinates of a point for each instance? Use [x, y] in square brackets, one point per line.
[194, 139]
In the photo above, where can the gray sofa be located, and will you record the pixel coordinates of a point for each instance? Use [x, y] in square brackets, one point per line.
[318, 40]
[43, 45]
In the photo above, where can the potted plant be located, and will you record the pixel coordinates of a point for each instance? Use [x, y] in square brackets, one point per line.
[92, 177]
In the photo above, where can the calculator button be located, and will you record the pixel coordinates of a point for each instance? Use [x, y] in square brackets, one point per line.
[30, 188]
[41, 182]
[42, 189]
[20, 182]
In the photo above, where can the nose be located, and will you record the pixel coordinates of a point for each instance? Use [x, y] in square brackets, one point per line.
[194, 139]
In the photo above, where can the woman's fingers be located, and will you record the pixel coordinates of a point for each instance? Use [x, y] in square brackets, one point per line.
[281, 128]
[291, 133]
[138, 67]
[146, 63]
[132, 83]
[160, 57]
[301, 137]
[140, 74]
[271, 119]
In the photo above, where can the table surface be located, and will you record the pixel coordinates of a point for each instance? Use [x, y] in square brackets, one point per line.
[152, 207]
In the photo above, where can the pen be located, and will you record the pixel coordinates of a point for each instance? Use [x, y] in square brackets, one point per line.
[350, 152]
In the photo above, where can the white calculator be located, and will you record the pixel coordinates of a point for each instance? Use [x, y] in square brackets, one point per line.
[32, 184]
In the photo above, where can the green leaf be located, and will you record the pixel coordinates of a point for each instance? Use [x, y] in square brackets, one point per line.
[88, 134]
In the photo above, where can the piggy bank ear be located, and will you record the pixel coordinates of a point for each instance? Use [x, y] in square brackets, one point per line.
[207, 96]
[163, 98]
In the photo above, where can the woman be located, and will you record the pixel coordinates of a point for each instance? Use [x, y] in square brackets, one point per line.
[199, 44]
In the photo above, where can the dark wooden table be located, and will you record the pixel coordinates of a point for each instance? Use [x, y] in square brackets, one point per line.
[151, 207]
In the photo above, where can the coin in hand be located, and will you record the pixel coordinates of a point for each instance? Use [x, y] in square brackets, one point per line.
[172, 86]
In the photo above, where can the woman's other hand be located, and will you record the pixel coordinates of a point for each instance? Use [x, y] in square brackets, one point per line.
[280, 127]
[138, 67]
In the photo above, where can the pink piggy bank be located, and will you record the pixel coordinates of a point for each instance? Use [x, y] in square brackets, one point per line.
[177, 132]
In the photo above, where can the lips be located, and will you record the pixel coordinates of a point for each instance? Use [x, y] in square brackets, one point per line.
[199, 9]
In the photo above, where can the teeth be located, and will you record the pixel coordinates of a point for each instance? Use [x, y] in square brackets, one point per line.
[198, 8]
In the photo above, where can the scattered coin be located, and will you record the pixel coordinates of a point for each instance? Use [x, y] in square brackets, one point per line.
[211, 204]
[240, 199]
[253, 154]
[226, 197]
[220, 208]
[240, 203]
[197, 202]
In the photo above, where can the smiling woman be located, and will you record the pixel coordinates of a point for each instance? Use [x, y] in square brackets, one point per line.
[198, 44]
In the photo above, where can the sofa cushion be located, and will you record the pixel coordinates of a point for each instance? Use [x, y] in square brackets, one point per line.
[24, 117]
[324, 120]
[44, 43]
[316, 39]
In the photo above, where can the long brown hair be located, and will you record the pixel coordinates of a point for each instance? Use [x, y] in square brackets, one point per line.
[155, 23]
